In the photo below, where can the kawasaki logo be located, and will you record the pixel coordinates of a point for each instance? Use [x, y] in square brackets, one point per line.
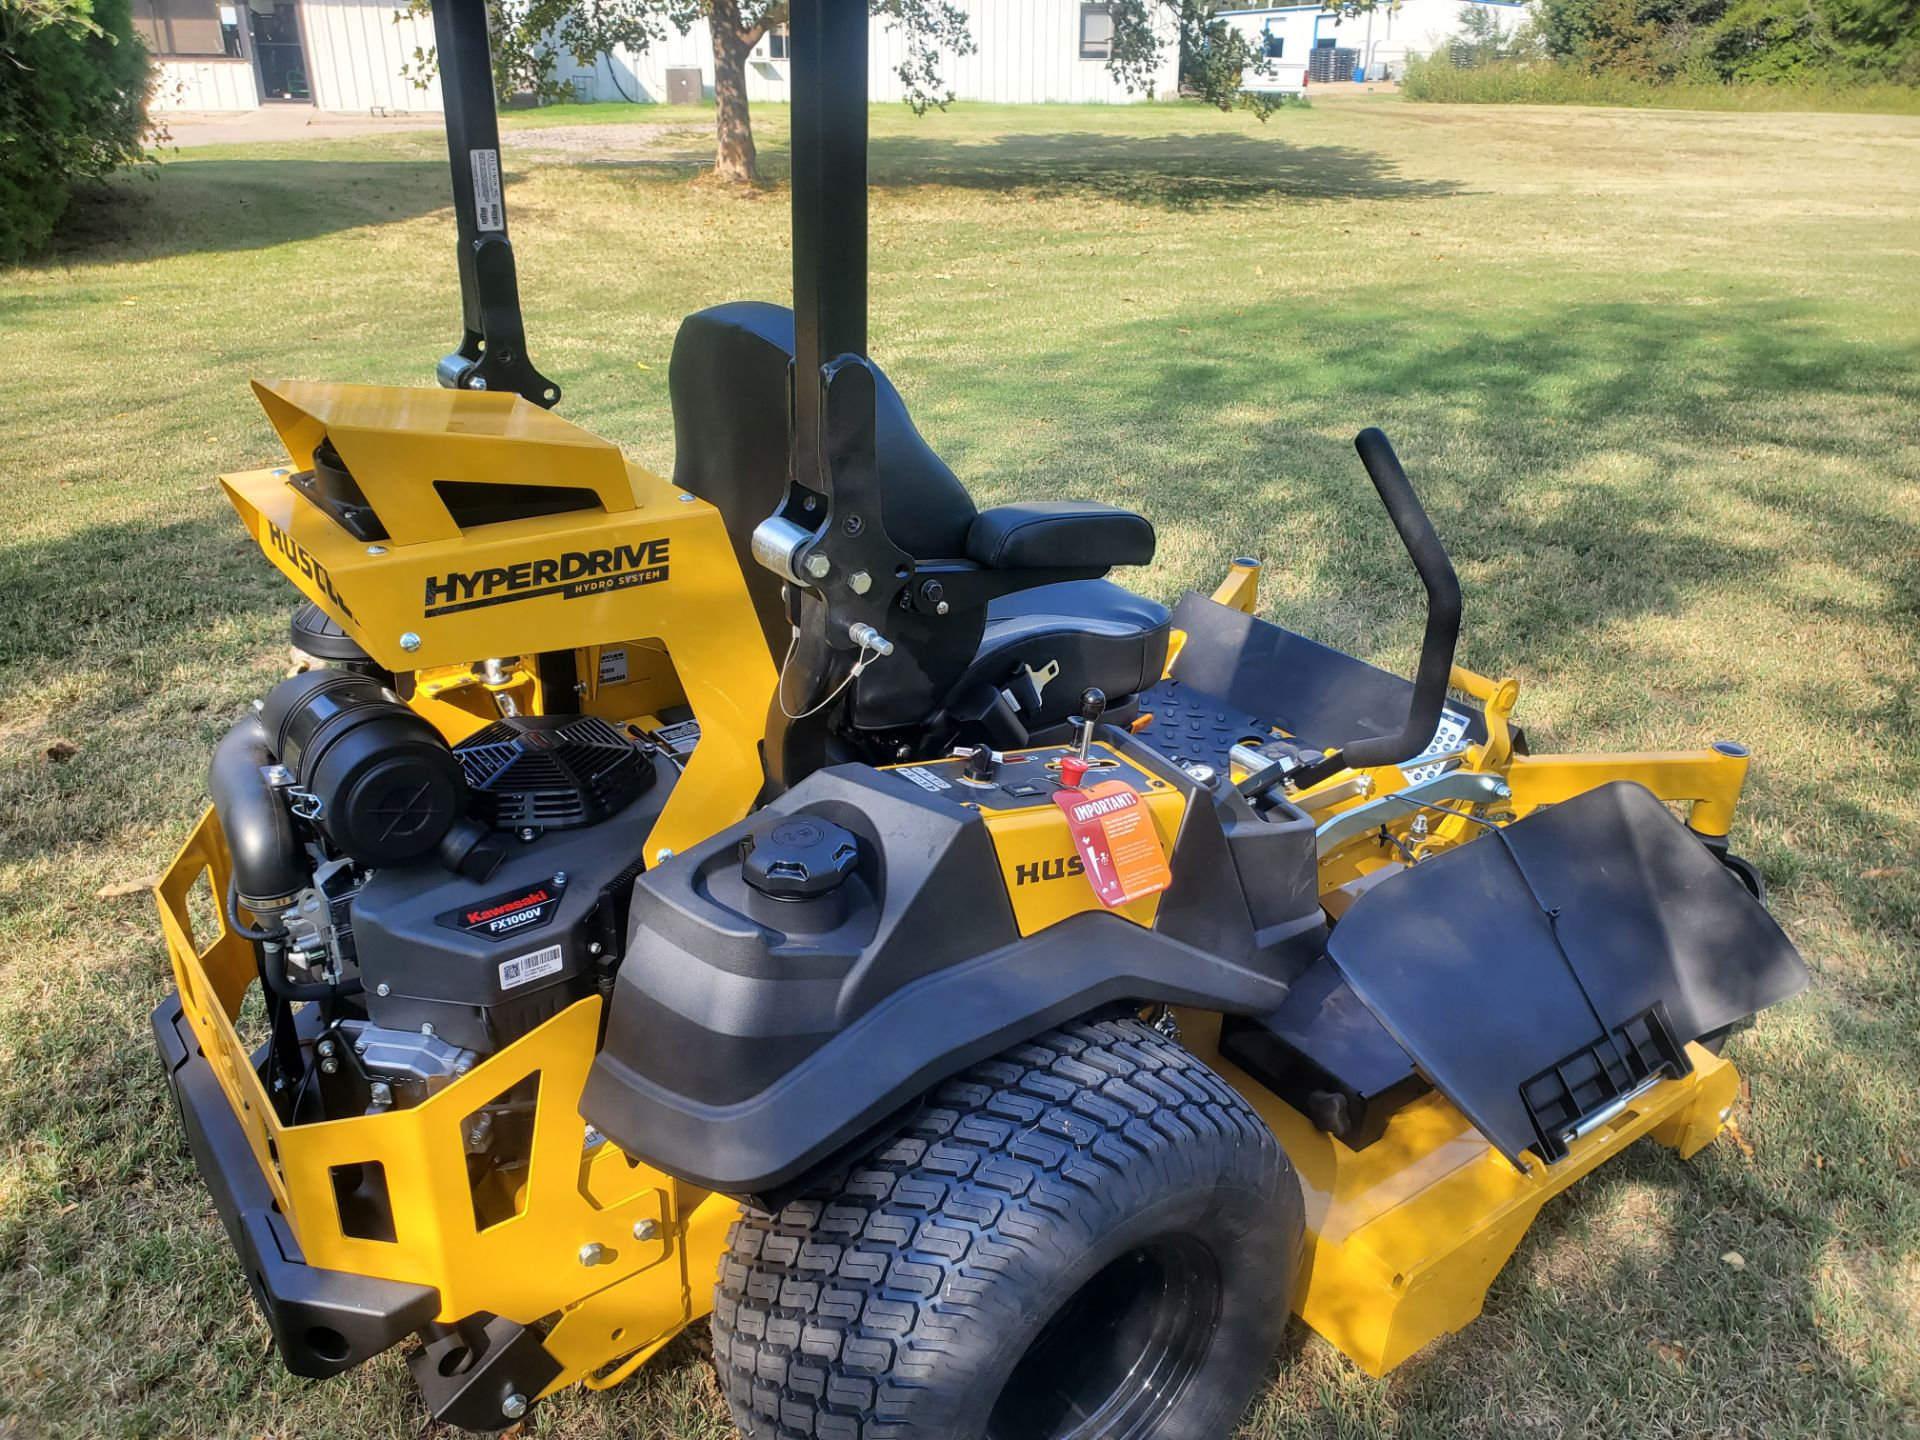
[495, 912]
[298, 556]
[499, 916]
[576, 573]
[1048, 870]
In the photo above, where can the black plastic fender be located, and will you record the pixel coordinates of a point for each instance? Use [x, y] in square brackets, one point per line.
[752, 1038]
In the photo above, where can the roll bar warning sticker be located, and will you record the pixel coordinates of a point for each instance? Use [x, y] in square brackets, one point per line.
[488, 211]
[1114, 837]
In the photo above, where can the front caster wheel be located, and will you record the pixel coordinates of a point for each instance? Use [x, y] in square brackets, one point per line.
[1088, 1237]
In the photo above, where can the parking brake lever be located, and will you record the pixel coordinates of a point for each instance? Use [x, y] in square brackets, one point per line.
[1093, 704]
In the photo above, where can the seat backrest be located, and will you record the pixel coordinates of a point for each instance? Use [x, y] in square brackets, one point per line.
[729, 384]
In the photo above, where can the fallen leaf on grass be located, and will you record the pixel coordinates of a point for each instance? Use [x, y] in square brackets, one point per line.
[1734, 1260]
[61, 750]
[1668, 1350]
[126, 888]
[1733, 1134]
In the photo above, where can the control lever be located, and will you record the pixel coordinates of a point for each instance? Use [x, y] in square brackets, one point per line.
[1093, 704]
[1430, 680]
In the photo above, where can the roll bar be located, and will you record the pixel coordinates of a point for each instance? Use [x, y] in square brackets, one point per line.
[492, 353]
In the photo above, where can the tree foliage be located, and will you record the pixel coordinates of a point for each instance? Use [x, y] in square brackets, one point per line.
[74, 82]
[1774, 41]
[529, 37]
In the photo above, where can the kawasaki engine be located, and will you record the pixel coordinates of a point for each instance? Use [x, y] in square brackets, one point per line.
[417, 906]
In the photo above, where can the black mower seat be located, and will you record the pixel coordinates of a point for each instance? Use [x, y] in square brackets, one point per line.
[729, 381]
[1097, 632]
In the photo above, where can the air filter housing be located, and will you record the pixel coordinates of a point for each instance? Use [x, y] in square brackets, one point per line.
[552, 772]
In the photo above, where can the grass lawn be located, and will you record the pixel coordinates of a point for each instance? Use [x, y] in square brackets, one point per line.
[1657, 373]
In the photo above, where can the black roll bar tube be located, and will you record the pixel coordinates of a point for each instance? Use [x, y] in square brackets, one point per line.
[492, 353]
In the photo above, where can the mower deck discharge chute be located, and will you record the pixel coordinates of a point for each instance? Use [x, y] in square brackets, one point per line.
[793, 894]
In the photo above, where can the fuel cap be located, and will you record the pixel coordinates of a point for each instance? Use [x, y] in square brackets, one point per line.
[799, 857]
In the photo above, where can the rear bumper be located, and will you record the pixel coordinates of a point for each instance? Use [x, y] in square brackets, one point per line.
[323, 1321]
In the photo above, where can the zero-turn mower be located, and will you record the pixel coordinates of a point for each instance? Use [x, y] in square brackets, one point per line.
[790, 893]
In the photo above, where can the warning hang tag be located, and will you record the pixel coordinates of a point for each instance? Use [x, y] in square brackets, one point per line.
[1114, 837]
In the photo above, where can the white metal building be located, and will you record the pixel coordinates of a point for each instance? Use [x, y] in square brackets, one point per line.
[347, 55]
[239, 54]
[1383, 37]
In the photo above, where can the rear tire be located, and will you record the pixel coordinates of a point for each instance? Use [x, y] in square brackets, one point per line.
[1090, 1235]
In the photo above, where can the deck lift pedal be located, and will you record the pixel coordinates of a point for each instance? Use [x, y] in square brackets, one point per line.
[788, 892]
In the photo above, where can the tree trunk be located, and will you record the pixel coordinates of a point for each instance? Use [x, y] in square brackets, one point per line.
[733, 155]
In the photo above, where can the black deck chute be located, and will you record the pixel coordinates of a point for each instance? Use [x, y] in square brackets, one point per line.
[1539, 972]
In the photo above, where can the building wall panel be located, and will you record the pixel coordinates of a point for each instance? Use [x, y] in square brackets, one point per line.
[355, 49]
[205, 85]
[1027, 52]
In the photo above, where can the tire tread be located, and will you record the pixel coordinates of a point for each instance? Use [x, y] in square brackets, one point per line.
[832, 1313]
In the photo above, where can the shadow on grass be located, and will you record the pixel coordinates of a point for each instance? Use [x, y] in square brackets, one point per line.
[114, 595]
[198, 206]
[208, 206]
[1174, 172]
[1525, 412]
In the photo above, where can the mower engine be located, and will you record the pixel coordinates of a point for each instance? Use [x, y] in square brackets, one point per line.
[418, 906]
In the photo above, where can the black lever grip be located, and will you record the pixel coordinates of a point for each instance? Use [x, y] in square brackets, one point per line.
[1436, 647]
[1429, 558]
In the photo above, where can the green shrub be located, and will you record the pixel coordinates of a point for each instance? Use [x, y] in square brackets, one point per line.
[74, 81]
[1547, 82]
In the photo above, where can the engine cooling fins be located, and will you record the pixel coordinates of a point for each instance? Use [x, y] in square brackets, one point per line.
[552, 772]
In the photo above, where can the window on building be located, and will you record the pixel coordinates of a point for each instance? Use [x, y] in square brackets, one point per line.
[199, 28]
[1276, 45]
[779, 41]
[1096, 32]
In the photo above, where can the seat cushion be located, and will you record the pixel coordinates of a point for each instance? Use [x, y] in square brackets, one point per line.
[1099, 634]
[1059, 534]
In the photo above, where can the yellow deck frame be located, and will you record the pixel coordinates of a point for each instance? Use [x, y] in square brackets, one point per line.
[639, 1291]
[1404, 1237]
